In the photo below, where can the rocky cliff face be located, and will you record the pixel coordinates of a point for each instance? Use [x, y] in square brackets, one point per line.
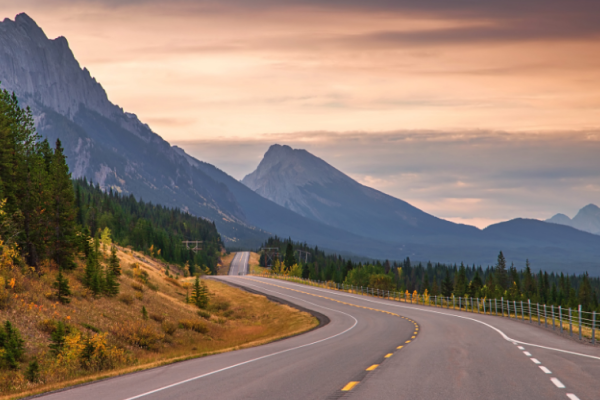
[102, 142]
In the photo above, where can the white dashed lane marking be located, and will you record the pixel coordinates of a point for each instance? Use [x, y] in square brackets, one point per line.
[528, 354]
[546, 370]
[536, 361]
[572, 396]
[521, 348]
[557, 383]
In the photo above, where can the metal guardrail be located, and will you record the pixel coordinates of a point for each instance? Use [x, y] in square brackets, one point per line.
[576, 321]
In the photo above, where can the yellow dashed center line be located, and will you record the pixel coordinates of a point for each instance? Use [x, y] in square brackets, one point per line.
[399, 347]
[408, 341]
[389, 355]
[349, 386]
[372, 367]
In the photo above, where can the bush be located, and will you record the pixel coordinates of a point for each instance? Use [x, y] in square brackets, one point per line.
[204, 314]
[157, 317]
[169, 327]
[219, 305]
[172, 281]
[137, 286]
[126, 298]
[193, 325]
[139, 334]
[47, 326]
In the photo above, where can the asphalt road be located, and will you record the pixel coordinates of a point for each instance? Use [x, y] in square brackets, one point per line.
[453, 355]
[239, 264]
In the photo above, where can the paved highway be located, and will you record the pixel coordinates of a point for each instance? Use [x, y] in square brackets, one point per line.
[375, 349]
[239, 264]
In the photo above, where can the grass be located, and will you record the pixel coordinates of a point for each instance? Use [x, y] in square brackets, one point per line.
[254, 265]
[225, 264]
[173, 331]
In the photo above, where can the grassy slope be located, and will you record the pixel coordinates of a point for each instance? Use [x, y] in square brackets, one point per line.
[225, 264]
[237, 319]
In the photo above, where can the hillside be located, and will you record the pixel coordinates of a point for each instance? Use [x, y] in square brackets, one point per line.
[116, 333]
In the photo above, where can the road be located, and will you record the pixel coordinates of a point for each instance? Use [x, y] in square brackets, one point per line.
[239, 264]
[375, 349]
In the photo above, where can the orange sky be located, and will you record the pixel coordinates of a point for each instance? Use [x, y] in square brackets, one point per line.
[239, 70]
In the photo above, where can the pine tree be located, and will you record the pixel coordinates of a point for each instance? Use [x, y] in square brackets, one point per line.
[289, 259]
[32, 374]
[111, 283]
[58, 338]
[63, 291]
[200, 294]
[144, 313]
[12, 345]
[501, 273]
[447, 286]
[435, 290]
[62, 211]
[460, 286]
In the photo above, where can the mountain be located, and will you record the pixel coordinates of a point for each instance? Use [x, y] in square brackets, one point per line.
[301, 182]
[587, 219]
[103, 143]
[306, 184]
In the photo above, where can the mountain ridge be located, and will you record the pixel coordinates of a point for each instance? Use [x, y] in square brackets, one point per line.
[587, 219]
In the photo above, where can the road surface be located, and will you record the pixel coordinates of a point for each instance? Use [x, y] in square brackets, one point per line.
[375, 349]
[239, 264]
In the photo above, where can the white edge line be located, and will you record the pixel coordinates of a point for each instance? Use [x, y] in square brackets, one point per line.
[255, 359]
[447, 314]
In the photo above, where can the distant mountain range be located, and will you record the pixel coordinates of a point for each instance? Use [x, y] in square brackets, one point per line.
[292, 193]
[587, 219]
[309, 186]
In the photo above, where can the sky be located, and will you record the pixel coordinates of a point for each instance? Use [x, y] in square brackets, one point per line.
[473, 111]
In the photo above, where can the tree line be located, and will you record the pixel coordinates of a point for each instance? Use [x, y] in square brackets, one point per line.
[437, 279]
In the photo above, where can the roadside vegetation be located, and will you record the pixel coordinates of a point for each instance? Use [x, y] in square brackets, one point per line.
[78, 302]
[492, 282]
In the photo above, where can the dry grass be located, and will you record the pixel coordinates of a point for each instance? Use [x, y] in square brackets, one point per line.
[254, 264]
[174, 331]
[225, 264]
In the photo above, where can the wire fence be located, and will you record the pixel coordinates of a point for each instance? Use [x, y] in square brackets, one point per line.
[573, 321]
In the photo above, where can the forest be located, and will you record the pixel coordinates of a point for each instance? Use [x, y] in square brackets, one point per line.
[495, 281]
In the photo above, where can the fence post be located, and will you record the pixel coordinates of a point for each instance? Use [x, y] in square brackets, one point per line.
[529, 303]
[545, 317]
[553, 317]
[484, 301]
[580, 326]
[435, 301]
[508, 308]
[538, 314]
[453, 303]
[570, 323]
[502, 304]
[560, 317]
[459, 304]
[594, 327]
[496, 305]
[516, 310]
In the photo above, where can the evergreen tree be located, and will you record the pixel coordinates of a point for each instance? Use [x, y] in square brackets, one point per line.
[460, 287]
[62, 212]
[32, 374]
[12, 346]
[585, 293]
[501, 273]
[289, 259]
[200, 294]
[144, 313]
[435, 291]
[111, 283]
[63, 291]
[58, 338]
[425, 283]
[447, 286]
[529, 287]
